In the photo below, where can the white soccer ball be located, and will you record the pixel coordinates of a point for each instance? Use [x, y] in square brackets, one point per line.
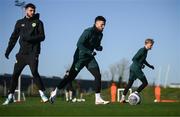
[134, 99]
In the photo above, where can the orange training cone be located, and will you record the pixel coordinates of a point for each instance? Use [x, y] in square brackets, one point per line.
[113, 92]
[158, 93]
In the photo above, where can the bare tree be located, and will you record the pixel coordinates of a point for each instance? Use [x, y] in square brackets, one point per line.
[106, 75]
[113, 72]
[119, 71]
[122, 70]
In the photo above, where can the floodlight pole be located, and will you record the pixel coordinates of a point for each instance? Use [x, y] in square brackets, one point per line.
[21, 4]
[159, 77]
[167, 76]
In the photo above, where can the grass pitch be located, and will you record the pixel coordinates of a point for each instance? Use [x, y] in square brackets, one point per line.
[33, 107]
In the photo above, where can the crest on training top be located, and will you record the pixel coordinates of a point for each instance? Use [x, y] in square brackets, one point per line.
[33, 24]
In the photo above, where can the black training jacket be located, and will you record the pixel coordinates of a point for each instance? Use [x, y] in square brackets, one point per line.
[30, 32]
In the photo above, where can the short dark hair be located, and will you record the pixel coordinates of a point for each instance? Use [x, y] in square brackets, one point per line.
[100, 18]
[30, 5]
[149, 41]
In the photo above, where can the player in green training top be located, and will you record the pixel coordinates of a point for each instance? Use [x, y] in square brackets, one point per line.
[139, 62]
[89, 41]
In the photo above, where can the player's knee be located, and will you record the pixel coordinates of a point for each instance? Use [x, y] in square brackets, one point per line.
[145, 83]
[98, 76]
[16, 74]
[35, 73]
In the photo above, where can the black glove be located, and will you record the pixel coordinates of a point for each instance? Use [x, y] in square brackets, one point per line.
[7, 55]
[94, 53]
[143, 66]
[100, 48]
[152, 67]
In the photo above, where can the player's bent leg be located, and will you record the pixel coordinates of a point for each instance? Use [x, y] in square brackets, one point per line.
[72, 75]
[129, 85]
[40, 85]
[143, 85]
[18, 67]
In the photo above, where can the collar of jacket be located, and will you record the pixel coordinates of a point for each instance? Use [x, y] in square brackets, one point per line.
[145, 48]
[35, 17]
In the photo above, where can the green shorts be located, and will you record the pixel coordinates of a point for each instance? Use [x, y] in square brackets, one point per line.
[88, 63]
[136, 72]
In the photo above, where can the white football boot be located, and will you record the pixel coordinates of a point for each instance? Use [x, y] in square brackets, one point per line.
[44, 98]
[52, 96]
[123, 100]
[8, 100]
[99, 100]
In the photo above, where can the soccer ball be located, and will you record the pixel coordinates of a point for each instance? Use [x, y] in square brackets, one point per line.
[134, 99]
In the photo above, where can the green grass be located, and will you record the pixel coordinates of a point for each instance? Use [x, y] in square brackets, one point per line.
[33, 107]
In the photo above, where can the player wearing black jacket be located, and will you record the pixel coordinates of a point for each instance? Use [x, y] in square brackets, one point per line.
[30, 33]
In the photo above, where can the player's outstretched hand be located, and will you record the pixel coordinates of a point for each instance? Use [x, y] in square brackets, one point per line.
[152, 67]
[94, 53]
[100, 48]
[7, 56]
